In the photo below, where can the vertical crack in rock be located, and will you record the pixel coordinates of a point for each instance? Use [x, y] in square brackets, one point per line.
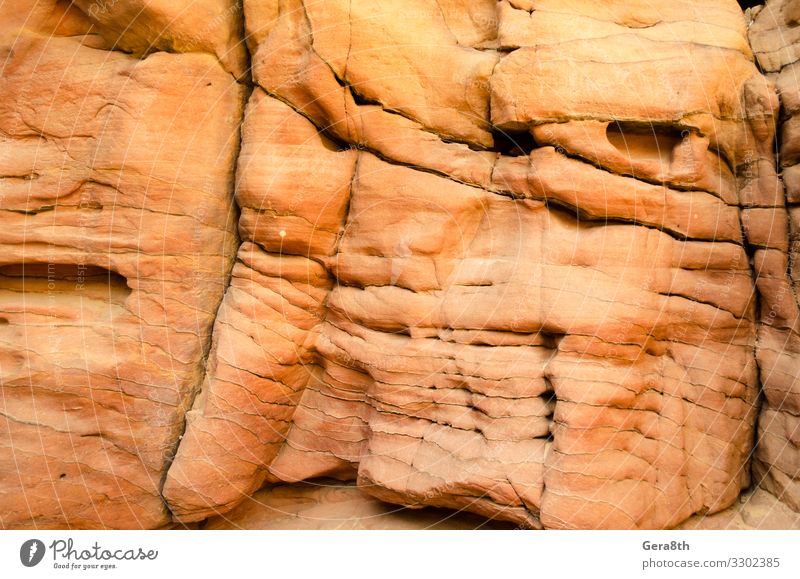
[207, 346]
[263, 358]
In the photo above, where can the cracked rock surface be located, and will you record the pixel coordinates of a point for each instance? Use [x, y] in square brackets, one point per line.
[775, 40]
[528, 259]
[119, 232]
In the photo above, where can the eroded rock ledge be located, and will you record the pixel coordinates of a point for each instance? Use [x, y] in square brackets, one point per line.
[531, 259]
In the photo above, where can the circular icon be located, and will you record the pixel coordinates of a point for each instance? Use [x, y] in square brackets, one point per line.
[31, 553]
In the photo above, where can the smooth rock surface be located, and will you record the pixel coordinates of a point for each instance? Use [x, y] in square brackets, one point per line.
[327, 505]
[330, 505]
[755, 510]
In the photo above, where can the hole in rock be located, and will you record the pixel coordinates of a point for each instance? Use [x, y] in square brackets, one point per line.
[55, 279]
[644, 142]
[750, 3]
[513, 143]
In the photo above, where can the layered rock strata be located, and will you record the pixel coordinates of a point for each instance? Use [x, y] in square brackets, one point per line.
[776, 43]
[529, 259]
[539, 304]
[117, 241]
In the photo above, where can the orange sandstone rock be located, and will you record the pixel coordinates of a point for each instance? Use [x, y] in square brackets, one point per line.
[540, 304]
[527, 259]
[776, 466]
[117, 241]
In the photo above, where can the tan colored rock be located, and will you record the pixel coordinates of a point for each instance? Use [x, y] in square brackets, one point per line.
[755, 510]
[677, 158]
[328, 505]
[773, 35]
[548, 174]
[118, 235]
[144, 26]
[561, 337]
[543, 22]
[436, 82]
[262, 357]
[469, 276]
[527, 259]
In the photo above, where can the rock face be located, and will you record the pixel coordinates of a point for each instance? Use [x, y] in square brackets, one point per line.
[117, 241]
[528, 259]
[776, 42]
[558, 331]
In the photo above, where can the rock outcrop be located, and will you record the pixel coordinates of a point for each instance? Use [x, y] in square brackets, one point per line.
[528, 259]
[776, 43]
[540, 304]
[117, 242]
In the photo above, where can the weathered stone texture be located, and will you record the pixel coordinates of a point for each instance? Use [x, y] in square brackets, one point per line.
[530, 259]
[116, 245]
[560, 332]
[776, 467]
